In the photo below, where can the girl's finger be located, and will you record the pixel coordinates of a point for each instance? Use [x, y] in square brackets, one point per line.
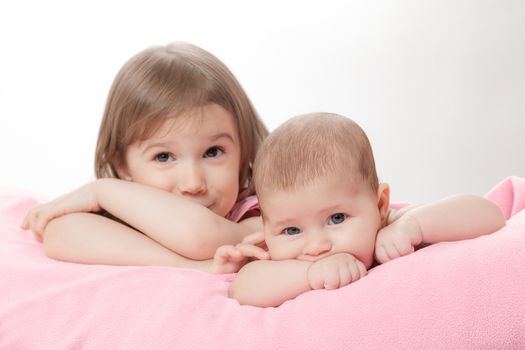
[38, 237]
[249, 250]
[41, 222]
[226, 252]
[254, 238]
[25, 223]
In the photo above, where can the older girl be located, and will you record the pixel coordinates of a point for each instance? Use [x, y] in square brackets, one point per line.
[173, 162]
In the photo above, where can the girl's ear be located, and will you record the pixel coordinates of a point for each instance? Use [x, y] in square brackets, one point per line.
[383, 199]
[123, 173]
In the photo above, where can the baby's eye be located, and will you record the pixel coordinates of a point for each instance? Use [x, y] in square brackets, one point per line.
[164, 157]
[337, 219]
[290, 231]
[213, 152]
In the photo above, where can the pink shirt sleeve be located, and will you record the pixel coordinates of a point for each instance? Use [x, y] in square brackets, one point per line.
[245, 205]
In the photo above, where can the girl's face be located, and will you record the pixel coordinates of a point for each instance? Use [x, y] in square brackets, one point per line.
[195, 156]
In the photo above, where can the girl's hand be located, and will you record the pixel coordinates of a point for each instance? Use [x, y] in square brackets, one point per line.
[398, 239]
[229, 258]
[335, 271]
[81, 200]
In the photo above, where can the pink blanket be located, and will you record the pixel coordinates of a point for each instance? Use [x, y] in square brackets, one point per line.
[467, 294]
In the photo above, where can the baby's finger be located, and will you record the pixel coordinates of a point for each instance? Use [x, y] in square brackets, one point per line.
[362, 269]
[345, 276]
[331, 280]
[404, 247]
[381, 254]
[391, 251]
[354, 271]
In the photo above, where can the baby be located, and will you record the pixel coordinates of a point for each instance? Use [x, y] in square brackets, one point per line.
[325, 213]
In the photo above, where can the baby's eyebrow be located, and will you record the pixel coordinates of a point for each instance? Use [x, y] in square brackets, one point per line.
[281, 223]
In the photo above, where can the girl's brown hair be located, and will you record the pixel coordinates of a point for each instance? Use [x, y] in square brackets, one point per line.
[164, 82]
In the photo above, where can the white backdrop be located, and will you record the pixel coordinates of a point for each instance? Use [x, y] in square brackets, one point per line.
[439, 86]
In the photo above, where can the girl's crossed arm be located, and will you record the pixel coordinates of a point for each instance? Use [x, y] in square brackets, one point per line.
[178, 224]
[88, 238]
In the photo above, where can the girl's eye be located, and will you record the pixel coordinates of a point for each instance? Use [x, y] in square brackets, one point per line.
[290, 231]
[337, 219]
[164, 157]
[213, 152]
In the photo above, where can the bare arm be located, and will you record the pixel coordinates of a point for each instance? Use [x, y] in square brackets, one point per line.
[267, 283]
[455, 218]
[93, 239]
[451, 219]
[270, 283]
[179, 224]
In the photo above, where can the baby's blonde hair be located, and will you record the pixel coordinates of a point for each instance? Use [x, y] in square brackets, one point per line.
[164, 82]
[308, 147]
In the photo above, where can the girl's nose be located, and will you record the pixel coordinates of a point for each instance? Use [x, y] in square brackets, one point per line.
[317, 243]
[191, 181]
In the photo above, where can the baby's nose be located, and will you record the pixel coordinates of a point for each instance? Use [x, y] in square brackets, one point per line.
[317, 244]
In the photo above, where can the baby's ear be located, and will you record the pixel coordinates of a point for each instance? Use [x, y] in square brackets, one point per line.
[383, 199]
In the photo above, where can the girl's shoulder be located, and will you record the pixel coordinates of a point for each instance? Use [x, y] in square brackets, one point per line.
[246, 206]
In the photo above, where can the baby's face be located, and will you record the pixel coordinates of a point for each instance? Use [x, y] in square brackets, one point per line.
[334, 215]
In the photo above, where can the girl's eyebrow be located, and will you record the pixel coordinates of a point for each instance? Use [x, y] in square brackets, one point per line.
[211, 138]
[220, 135]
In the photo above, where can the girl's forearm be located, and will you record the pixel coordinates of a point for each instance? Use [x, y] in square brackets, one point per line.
[93, 239]
[178, 224]
[267, 283]
[456, 218]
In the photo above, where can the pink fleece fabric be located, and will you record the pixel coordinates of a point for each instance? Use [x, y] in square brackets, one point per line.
[467, 294]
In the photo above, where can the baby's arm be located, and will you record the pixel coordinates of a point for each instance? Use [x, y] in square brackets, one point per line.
[451, 219]
[267, 283]
[185, 227]
[93, 239]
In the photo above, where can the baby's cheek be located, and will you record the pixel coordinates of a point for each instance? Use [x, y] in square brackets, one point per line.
[280, 250]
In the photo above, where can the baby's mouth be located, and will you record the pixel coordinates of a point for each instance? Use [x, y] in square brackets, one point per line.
[313, 258]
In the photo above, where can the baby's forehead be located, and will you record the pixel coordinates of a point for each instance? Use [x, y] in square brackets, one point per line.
[322, 196]
[349, 180]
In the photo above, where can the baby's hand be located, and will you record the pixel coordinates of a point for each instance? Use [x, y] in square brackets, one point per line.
[230, 258]
[80, 200]
[335, 271]
[398, 239]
